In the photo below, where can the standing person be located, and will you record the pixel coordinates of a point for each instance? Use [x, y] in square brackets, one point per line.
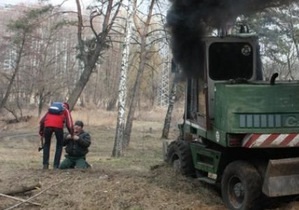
[53, 122]
[76, 148]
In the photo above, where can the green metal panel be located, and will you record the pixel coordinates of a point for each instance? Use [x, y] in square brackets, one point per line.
[194, 128]
[257, 107]
[217, 136]
[205, 159]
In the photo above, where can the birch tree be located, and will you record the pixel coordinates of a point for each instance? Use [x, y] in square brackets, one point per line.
[122, 93]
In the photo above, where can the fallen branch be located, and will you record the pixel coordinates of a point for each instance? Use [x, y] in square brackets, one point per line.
[19, 199]
[18, 204]
[22, 189]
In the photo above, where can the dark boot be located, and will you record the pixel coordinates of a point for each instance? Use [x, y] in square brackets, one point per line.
[45, 166]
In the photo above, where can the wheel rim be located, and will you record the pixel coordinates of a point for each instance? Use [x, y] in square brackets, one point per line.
[236, 192]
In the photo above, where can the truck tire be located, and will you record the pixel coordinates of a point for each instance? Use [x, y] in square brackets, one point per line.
[241, 186]
[180, 158]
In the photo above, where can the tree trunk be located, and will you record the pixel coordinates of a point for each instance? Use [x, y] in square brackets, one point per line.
[122, 94]
[133, 104]
[90, 51]
[141, 67]
[16, 70]
[21, 189]
[75, 94]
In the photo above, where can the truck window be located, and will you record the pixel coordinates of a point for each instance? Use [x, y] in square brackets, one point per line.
[230, 60]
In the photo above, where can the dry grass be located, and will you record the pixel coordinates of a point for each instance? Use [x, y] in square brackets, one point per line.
[112, 183]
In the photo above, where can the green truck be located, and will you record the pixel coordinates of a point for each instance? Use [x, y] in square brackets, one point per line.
[239, 131]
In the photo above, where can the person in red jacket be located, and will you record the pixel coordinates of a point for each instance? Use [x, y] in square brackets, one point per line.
[53, 123]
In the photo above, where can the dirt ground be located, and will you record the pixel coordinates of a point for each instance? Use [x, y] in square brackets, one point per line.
[138, 181]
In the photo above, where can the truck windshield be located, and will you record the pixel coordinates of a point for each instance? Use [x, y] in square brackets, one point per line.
[230, 60]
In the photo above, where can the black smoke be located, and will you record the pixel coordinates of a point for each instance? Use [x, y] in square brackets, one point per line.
[190, 20]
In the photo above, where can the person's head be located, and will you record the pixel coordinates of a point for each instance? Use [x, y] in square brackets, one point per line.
[78, 127]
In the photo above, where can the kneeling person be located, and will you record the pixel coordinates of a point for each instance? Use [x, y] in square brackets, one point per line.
[76, 148]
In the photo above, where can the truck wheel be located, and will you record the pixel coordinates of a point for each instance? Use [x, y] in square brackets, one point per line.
[180, 158]
[241, 186]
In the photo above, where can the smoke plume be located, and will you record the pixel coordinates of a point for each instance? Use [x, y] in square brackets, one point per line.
[189, 20]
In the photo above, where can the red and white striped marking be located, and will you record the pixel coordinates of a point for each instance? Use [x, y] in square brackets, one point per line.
[271, 140]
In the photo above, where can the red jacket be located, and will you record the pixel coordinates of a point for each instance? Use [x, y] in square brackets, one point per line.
[57, 121]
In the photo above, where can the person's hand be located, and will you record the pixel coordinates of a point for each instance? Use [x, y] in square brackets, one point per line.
[76, 137]
[41, 133]
[68, 136]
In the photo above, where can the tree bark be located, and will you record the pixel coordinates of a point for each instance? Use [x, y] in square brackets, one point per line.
[89, 53]
[16, 70]
[122, 93]
[133, 104]
[141, 67]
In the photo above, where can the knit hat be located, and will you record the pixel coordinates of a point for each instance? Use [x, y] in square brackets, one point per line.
[79, 123]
